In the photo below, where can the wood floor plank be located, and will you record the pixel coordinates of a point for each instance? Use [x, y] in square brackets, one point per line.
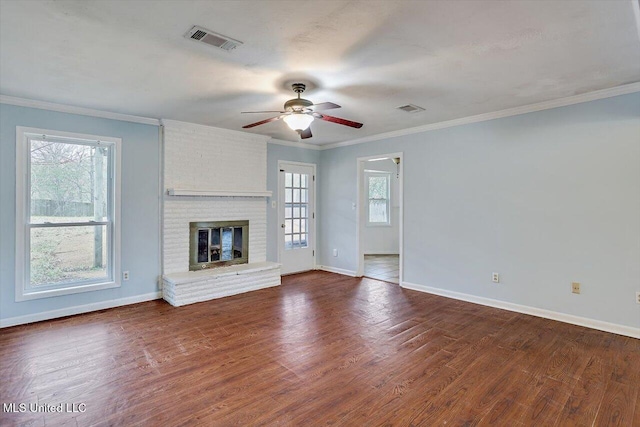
[322, 349]
[618, 405]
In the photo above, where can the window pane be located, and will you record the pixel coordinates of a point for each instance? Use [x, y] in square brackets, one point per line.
[288, 226]
[288, 197]
[378, 211]
[287, 179]
[296, 195]
[304, 178]
[296, 211]
[288, 211]
[304, 240]
[288, 241]
[378, 187]
[68, 182]
[296, 180]
[303, 211]
[303, 225]
[62, 255]
[296, 225]
[296, 240]
[303, 196]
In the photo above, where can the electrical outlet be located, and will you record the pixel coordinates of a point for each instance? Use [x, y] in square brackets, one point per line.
[335, 252]
[495, 277]
[125, 275]
[638, 297]
[575, 287]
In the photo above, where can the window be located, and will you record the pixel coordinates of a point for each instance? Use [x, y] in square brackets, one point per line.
[378, 191]
[67, 213]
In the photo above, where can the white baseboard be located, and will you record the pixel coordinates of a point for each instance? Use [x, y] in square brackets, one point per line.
[78, 309]
[533, 311]
[342, 271]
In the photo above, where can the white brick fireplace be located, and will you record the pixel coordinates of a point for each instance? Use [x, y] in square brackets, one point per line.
[213, 174]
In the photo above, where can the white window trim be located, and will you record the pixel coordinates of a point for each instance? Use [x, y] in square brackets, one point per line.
[370, 173]
[22, 251]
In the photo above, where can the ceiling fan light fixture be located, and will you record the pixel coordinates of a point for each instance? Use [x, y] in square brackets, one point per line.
[298, 121]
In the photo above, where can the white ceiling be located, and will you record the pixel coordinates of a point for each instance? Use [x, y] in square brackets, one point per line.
[453, 58]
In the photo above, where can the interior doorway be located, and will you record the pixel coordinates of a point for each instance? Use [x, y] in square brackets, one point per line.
[380, 217]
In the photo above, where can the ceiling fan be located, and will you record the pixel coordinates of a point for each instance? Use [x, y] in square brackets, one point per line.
[299, 113]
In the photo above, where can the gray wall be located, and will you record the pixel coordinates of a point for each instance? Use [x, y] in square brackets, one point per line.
[140, 210]
[277, 152]
[544, 198]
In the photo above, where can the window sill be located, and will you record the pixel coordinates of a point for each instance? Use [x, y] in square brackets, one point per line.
[378, 225]
[36, 294]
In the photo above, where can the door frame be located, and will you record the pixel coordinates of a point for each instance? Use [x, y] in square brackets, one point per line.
[362, 211]
[281, 209]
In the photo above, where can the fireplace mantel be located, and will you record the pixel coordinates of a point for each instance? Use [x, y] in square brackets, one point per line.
[216, 193]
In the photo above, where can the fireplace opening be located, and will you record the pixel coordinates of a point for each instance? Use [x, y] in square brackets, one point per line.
[218, 243]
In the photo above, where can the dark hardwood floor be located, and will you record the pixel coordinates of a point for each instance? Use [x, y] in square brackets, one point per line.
[320, 349]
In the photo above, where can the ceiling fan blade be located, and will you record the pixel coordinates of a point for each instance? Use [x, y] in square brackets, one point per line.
[306, 133]
[338, 120]
[251, 112]
[323, 106]
[261, 122]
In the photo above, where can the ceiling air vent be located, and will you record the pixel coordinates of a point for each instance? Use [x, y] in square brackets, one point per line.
[214, 39]
[410, 108]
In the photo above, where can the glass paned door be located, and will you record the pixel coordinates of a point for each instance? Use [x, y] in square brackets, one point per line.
[296, 217]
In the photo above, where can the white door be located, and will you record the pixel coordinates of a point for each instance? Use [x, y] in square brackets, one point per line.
[296, 213]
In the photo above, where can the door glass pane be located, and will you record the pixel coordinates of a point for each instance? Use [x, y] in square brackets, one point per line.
[215, 244]
[68, 254]
[296, 210]
[203, 245]
[227, 242]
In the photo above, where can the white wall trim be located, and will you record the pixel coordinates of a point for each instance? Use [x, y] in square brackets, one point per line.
[52, 106]
[545, 105]
[294, 144]
[337, 270]
[79, 309]
[194, 127]
[533, 311]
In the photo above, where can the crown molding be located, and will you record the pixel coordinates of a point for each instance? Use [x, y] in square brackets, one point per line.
[294, 144]
[61, 108]
[195, 127]
[545, 105]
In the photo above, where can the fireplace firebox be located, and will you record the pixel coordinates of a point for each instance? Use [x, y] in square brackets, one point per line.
[218, 244]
